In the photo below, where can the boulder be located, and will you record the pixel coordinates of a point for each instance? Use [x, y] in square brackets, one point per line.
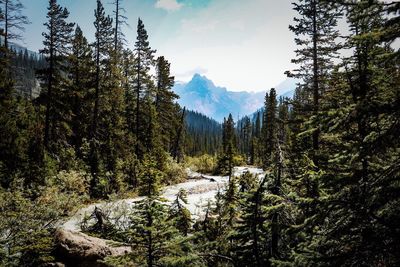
[81, 250]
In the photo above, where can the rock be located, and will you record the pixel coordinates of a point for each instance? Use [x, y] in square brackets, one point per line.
[79, 249]
[54, 264]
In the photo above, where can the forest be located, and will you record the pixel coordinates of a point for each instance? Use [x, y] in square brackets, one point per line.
[98, 122]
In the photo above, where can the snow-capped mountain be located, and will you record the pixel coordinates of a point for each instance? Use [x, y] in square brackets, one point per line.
[202, 95]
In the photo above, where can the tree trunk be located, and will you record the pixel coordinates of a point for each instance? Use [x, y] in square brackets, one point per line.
[49, 89]
[6, 24]
[178, 137]
[116, 25]
[137, 108]
[97, 92]
[315, 136]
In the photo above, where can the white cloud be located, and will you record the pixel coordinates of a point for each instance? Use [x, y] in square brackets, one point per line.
[169, 5]
[202, 28]
[187, 75]
[243, 45]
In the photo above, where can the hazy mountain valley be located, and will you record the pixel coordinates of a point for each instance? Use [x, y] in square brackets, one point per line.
[108, 159]
[201, 95]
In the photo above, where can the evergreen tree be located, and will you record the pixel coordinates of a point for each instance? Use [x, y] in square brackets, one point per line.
[114, 131]
[9, 154]
[167, 112]
[245, 136]
[342, 228]
[120, 21]
[255, 141]
[142, 84]
[315, 35]
[155, 241]
[213, 237]
[81, 74]
[250, 234]
[127, 63]
[264, 132]
[226, 160]
[278, 208]
[103, 25]
[269, 126]
[177, 149]
[358, 186]
[57, 47]
[102, 44]
[13, 21]
[180, 214]
[203, 135]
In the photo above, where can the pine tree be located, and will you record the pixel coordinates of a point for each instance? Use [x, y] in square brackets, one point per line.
[9, 132]
[250, 234]
[360, 192]
[167, 112]
[57, 47]
[213, 235]
[177, 148]
[245, 136]
[154, 238]
[127, 63]
[270, 114]
[229, 150]
[115, 148]
[316, 24]
[230, 202]
[142, 84]
[278, 209]
[120, 21]
[203, 135]
[81, 74]
[344, 226]
[102, 44]
[316, 36]
[13, 20]
[180, 214]
[255, 141]
[264, 132]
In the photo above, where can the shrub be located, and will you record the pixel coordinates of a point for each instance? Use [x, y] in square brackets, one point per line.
[173, 172]
[204, 164]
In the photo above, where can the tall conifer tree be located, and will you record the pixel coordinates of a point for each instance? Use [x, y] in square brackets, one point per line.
[57, 47]
[81, 73]
[142, 83]
[13, 21]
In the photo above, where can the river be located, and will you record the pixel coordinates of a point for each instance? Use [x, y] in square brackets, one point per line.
[200, 190]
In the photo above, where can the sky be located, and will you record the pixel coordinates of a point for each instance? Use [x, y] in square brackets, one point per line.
[243, 45]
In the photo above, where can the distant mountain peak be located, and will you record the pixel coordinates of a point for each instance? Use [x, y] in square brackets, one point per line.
[202, 95]
[197, 76]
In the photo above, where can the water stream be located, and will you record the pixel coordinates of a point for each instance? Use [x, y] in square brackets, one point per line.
[200, 190]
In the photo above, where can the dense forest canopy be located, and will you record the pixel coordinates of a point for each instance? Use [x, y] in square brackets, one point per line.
[98, 121]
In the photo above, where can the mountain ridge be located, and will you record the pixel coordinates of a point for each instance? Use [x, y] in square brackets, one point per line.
[202, 95]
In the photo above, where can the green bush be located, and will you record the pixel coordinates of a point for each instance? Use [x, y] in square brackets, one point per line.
[27, 222]
[204, 164]
[173, 172]
[222, 165]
